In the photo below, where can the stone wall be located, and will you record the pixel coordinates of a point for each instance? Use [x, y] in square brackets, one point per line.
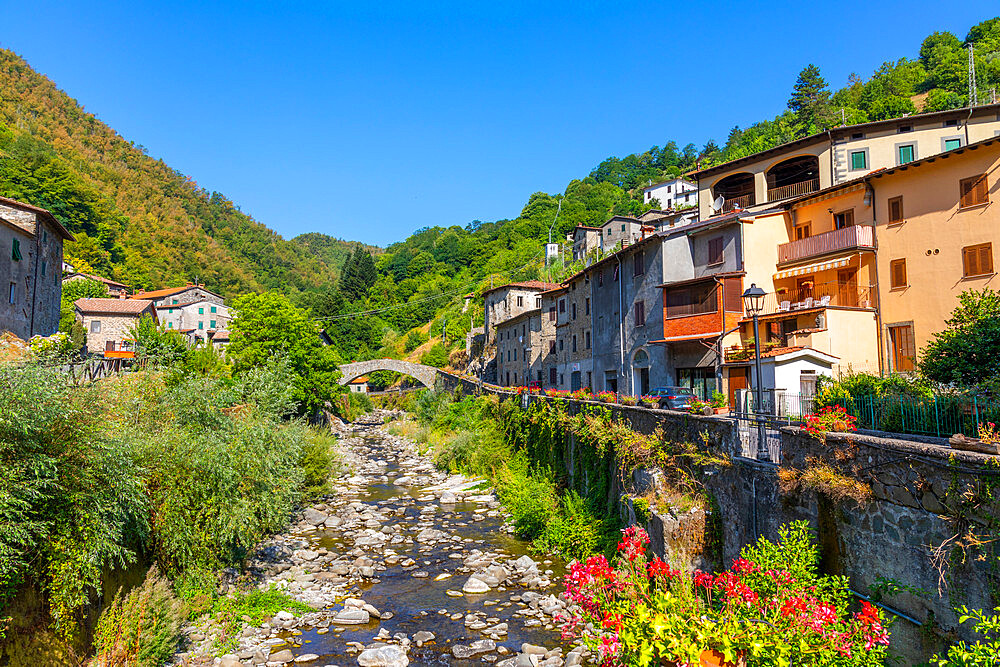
[917, 492]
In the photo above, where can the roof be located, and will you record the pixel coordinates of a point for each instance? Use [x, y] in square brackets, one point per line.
[614, 255]
[672, 180]
[44, 213]
[130, 307]
[712, 276]
[627, 218]
[221, 334]
[527, 284]
[99, 279]
[818, 136]
[359, 380]
[168, 291]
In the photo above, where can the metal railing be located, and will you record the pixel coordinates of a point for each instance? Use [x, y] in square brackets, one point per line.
[792, 189]
[743, 201]
[940, 416]
[848, 238]
[822, 295]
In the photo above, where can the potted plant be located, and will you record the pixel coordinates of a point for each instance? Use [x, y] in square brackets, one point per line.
[628, 399]
[699, 407]
[719, 403]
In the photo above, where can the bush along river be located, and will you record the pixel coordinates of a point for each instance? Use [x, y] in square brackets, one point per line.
[404, 565]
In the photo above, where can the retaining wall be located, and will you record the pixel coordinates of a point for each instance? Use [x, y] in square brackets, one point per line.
[922, 495]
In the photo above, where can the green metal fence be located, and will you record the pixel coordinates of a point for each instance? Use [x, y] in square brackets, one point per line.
[940, 416]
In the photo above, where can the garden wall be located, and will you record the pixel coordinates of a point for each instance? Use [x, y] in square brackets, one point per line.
[922, 496]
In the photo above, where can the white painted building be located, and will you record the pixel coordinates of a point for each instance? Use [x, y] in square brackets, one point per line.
[198, 317]
[673, 194]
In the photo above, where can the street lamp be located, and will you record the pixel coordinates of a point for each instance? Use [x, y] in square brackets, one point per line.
[753, 303]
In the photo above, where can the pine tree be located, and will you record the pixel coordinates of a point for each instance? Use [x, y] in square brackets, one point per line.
[359, 275]
[810, 100]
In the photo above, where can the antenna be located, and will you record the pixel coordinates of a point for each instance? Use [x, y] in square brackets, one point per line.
[719, 202]
[973, 96]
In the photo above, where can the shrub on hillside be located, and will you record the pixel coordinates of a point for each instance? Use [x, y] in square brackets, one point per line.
[413, 340]
[437, 356]
[140, 629]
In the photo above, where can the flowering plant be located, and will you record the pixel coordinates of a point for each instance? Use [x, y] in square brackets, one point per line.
[606, 396]
[582, 394]
[770, 608]
[651, 401]
[830, 418]
[696, 406]
[989, 434]
[628, 399]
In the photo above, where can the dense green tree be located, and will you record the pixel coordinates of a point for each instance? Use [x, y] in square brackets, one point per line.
[268, 326]
[359, 274]
[967, 352]
[809, 101]
[73, 290]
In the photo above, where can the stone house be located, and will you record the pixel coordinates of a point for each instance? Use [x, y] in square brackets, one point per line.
[31, 257]
[574, 334]
[549, 352]
[358, 385]
[519, 349]
[176, 296]
[586, 240]
[620, 230]
[198, 317]
[109, 324]
[506, 301]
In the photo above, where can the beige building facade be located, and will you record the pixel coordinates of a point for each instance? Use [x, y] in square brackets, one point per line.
[109, 324]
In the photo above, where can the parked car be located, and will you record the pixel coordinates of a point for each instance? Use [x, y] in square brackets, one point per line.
[672, 398]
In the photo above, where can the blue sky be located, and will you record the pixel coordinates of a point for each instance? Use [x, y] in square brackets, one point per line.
[368, 121]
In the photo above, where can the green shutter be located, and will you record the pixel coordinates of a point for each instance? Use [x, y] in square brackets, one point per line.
[905, 154]
[15, 250]
[211, 325]
[951, 144]
[858, 160]
[201, 311]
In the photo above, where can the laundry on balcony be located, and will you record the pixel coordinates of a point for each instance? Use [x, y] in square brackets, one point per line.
[813, 268]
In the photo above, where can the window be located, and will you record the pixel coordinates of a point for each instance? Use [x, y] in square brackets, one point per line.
[12, 293]
[668, 188]
[95, 326]
[844, 219]
[586, 340]
[897, 273]
[906, 153]
[904, 128]
[212, 309]
[973, 191]
[640, 313]
[515, 354]
[903, 353]
[951, 144]
[15, 250]
[977, 260]
[623, 227]
[560, 344]
[201, 311]
[574, 342]
[45, 236]
[586, 306]
[859, 160]
[574, 311]
[552, 314]
[552, 347]
[562, 305]
[538, 303]
[201, 324]
[43, 267]
[170, 325]
[552, 376]
[803, 231]
[637, 267]
[951, 123]
[715, 252]
[858, 135]
[211, 324]
[508, 355]
[895, 210]
[520, 301]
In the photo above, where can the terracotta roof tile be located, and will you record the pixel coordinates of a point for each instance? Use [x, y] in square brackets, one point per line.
[114, 306]
[528, 284]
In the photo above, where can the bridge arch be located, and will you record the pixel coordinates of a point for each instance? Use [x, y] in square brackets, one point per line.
[423, 374]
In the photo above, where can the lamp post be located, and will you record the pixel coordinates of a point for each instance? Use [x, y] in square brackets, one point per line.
[753, 303]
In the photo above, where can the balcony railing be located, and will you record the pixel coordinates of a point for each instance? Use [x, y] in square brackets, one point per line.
[743, 201]
[844, 295]
[792, 189]
[848, 238]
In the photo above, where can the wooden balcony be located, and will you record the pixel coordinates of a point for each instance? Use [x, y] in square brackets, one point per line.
[792, 190]
[743, 201]
[839, 240]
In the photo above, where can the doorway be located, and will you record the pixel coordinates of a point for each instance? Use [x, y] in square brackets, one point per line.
[739, 378]
[847, 286]
[574, 380]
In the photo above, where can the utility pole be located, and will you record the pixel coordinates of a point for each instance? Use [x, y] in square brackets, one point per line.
[973, 94]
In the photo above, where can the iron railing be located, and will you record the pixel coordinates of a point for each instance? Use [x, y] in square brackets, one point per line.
[940, 416]
[848, 238]
[743, 201]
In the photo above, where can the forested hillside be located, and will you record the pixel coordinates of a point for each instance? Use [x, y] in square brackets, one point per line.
[143, 223]
[136, 219]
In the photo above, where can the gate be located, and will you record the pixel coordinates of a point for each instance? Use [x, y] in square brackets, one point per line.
[758, 429]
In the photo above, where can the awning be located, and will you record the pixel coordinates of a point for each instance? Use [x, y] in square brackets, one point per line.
[813, 268]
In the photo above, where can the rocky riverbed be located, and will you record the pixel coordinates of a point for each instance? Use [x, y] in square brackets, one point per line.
[404, 565]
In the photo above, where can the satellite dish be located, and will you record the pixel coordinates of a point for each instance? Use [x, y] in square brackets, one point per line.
[718, 203]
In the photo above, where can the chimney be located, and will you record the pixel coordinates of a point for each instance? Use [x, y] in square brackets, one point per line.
[189, 284]
[121, 294]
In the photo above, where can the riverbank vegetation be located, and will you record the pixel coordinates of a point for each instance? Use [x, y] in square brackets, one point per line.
[183, 471]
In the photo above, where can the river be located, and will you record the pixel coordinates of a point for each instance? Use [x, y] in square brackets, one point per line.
[409, 565]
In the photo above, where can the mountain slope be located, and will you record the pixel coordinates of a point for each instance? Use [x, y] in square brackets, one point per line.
[137, 220]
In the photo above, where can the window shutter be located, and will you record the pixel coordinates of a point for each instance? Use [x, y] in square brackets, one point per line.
[986, 258]
[896, 209]
[982, 196]
[898, 273]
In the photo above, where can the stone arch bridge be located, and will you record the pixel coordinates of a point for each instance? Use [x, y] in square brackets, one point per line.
[424, 374]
